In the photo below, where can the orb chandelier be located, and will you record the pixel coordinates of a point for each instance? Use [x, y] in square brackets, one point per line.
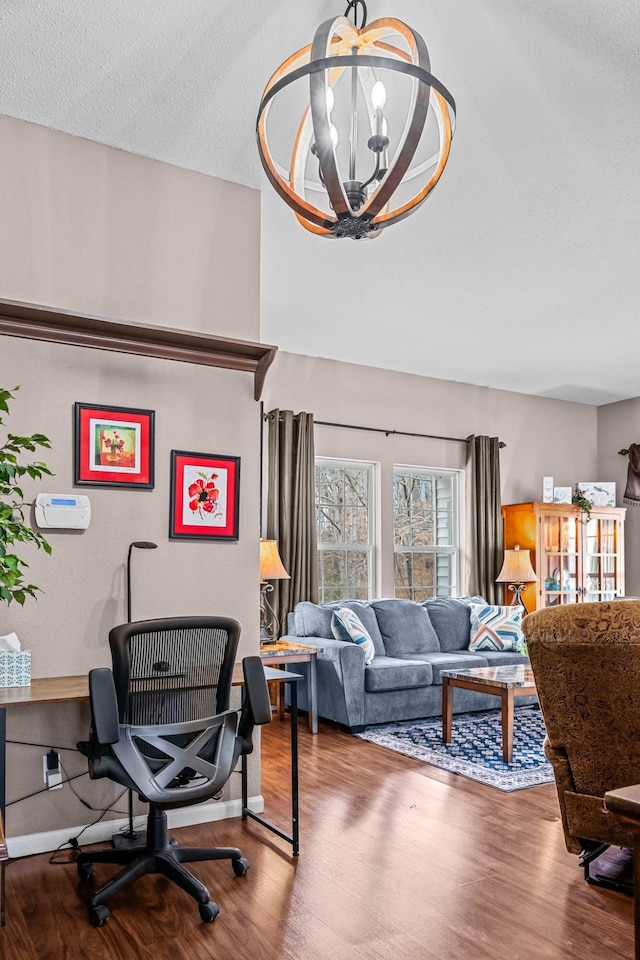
[366, 141]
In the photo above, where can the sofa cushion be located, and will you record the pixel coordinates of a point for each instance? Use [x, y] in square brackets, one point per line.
[314, 620]
[390, 673]
[451, 619]
[499, 658]
[346, 625]
[406, 630]
[496, 628]
[452, 661]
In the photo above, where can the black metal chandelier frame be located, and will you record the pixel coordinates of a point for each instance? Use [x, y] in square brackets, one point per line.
[357, 214]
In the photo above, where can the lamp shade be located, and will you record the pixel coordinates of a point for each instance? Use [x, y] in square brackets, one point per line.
[516, 567]
[271, 566]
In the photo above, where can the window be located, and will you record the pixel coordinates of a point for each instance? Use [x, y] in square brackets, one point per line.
[426, 540]
[344, 513]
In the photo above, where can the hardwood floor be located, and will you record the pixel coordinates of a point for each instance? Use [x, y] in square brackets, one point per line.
[399, 861]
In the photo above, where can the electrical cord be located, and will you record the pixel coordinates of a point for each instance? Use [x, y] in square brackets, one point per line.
[36, 793]
[72, 845]
[43, 746]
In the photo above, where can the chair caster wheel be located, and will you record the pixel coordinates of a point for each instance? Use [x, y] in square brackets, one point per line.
[208, 911]
[98, 915]
[240, 866]
[86, 871]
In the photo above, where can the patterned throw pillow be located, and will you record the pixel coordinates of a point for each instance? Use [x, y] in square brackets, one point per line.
[496, 628]
[347, 625]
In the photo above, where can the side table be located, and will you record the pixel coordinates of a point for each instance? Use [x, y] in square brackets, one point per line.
[280, 653]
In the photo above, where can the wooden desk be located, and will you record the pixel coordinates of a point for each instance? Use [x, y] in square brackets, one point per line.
[76, 689]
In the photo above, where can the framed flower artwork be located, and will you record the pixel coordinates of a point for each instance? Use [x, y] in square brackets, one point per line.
[113, 446]
[205, 496]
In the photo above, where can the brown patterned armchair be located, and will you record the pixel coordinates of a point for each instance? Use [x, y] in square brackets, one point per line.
[586, 662]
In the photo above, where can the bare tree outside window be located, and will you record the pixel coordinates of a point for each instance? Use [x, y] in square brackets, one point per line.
[344, 499]
[426, 546]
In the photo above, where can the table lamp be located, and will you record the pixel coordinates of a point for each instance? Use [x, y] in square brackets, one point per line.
[271, 568]
[517, 572]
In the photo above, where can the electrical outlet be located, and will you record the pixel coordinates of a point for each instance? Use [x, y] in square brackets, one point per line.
[51, 770]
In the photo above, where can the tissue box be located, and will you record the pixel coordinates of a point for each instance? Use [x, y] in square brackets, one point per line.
[15, 669]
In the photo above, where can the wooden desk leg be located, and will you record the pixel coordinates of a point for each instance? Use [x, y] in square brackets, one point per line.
[312, 695]
[507, 725]
[447, 710]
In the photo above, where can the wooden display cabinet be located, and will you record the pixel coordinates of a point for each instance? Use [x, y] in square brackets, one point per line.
[576, 560]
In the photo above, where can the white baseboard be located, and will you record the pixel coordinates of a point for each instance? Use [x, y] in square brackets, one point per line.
[31, 843]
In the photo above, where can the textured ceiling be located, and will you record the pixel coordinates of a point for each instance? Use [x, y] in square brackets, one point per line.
[519, 272]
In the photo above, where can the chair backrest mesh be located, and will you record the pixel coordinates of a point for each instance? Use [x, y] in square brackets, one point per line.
[170, 671]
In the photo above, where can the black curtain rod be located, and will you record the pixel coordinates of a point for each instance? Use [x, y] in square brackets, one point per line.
[397, 433]
[387, 433]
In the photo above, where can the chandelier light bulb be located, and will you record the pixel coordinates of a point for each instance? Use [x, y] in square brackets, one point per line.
[378, 95]
[330, 99]
[377, 180]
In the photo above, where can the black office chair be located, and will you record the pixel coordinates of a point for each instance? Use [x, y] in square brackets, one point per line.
[161, 726]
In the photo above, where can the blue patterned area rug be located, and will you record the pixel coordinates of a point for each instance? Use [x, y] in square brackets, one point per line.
[475, 750]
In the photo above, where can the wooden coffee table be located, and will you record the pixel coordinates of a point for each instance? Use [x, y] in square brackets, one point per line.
[505, 682]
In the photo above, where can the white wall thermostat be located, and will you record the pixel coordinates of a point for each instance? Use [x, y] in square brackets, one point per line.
[63, 510]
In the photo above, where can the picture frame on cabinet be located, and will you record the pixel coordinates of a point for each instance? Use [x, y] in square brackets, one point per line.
[600, 493]
[562, 494]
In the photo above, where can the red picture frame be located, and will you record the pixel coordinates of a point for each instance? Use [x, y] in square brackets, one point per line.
[205, 496]
[113, 446]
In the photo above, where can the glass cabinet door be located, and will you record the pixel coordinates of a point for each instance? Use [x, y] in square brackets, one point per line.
[561, 562]
[600, 559]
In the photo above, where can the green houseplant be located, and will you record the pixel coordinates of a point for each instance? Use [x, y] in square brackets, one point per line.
[582, 501]
[13, 527]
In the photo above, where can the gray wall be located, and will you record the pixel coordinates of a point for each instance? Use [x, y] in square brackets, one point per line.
[544, 437]
[619, 426]
[83, 582]
[95, 230]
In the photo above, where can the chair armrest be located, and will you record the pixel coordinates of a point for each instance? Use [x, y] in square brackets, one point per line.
[257, 691]
[256, 709]
[104, 706]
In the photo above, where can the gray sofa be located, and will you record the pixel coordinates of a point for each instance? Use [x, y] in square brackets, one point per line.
[414, 643]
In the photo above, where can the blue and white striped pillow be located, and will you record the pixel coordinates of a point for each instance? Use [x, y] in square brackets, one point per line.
[347, 625]
[496, 628]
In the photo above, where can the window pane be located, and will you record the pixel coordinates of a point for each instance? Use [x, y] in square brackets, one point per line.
[342, 512]
[330, 525]
[356, 486]
[332, 574]
[425, 521]
[329, 484]
[403, 574]
[356, 525]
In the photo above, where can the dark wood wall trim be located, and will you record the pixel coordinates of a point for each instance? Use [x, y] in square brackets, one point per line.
[58, 326]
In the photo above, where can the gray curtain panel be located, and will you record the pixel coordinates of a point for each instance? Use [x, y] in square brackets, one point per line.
[291, 508]
[484, 517]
